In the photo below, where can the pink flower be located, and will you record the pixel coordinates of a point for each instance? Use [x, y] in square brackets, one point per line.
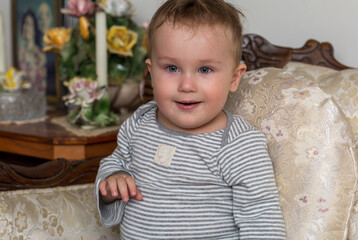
[80, 8]
[303, 199]
[82, 92]
[323, 210]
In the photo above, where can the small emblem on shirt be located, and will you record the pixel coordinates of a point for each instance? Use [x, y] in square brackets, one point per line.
[164, 155]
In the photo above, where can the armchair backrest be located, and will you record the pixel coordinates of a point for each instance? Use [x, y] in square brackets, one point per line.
[311, 145]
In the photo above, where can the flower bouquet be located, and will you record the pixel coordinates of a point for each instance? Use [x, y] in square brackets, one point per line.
[80, 64]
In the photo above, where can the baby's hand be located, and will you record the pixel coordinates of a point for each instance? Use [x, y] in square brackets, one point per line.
[119, 186]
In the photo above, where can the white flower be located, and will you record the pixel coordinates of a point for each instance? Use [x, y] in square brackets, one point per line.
[247, 107]
[268, 127]
[312, 153]
[255, 76]
[83, 91]
[117, 7]
[311, 147]
[280, 133]
[309, 96]
[307, 153]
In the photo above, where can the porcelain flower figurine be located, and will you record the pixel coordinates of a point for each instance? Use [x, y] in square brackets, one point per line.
[80, 8]
[90, 105]
[117, 8]
[12, 80]
[83, 92]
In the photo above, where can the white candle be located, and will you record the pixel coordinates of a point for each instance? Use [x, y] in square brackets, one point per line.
[2, 46]
[101, 48]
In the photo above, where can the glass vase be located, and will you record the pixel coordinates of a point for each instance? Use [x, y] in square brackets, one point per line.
[25, 104]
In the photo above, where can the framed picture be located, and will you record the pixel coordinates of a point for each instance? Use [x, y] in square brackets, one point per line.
[30, 21]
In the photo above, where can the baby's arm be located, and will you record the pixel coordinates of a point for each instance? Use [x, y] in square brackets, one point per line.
[249, 171]
[119, 186]
[111, 210]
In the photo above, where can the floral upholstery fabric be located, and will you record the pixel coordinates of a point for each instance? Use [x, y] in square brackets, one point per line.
[53, 213]
[311, 72]
[311, 146]
[343, 86]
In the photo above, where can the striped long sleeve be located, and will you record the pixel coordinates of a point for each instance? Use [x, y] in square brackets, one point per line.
[119, 161]
[247, 168]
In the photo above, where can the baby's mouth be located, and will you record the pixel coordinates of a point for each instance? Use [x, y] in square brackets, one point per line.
[187, 104]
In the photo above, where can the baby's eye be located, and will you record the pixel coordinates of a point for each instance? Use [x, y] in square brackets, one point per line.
[172, 68]
[204, 70]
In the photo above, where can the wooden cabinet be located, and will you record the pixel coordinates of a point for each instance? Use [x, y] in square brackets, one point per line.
[50, 141]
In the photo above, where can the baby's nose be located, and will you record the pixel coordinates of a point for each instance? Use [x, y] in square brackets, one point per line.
[187, 83]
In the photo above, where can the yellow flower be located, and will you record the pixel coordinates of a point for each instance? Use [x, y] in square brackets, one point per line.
[120, 40]
[56, 38]
[12, 80]
[84, 25]
[102, 2]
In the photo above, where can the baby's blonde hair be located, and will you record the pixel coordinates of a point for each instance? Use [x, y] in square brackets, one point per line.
[196, 13]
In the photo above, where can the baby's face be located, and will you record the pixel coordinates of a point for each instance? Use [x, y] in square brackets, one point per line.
[192, 74]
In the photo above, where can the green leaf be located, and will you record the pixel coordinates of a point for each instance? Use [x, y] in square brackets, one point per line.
[138, 62]
[73, 115]
[118, 68]
[102, 106]
[87, 69]
[87, 113]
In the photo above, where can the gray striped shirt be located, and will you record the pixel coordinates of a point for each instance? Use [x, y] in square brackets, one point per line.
[217, 185]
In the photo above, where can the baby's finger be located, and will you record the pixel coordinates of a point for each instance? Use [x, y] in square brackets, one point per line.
[103, 188]
[123, 188]
[139, 196]
[131, 186]
[112, 185]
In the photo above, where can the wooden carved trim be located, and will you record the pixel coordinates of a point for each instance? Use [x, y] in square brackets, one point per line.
[54, 173]
[316, 53]
[257, 52]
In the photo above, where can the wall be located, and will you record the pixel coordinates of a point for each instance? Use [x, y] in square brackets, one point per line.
[5, 9]
[295, 21]
[282, 22]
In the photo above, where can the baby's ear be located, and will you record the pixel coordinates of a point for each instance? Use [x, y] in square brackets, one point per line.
[239, 71]
[149, 64]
